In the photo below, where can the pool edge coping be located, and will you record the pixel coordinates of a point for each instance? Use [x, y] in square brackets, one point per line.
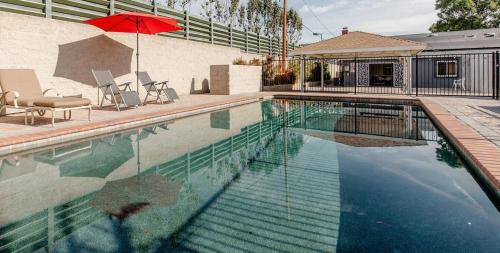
[26, 142]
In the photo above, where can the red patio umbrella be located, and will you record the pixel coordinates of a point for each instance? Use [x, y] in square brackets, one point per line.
[134, 22]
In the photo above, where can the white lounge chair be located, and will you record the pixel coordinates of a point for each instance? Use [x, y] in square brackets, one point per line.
[22, 90]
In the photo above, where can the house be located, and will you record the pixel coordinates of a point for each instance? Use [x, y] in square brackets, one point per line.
[466, 56]
[459, 42]
[457, 62]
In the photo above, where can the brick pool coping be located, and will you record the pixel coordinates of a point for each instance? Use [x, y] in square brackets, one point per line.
[481, 153]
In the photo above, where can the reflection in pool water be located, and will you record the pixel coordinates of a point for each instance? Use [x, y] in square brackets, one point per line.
[287, 176]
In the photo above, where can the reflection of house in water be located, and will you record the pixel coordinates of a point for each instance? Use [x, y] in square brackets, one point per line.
[353, 124]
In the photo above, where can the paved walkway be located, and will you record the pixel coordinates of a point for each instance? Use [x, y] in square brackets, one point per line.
[481, 114]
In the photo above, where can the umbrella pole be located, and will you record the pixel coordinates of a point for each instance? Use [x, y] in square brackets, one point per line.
[137, 55]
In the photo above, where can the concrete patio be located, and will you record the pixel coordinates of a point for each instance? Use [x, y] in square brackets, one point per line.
[481, 114]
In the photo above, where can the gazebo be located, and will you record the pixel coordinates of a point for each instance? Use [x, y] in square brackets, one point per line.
[363, 59]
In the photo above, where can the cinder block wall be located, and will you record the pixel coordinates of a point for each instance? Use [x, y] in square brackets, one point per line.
[63, 54]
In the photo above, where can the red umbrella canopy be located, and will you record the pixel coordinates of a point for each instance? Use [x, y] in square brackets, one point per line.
[132, 22]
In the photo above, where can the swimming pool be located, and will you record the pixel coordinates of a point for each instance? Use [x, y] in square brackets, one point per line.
[273, 176]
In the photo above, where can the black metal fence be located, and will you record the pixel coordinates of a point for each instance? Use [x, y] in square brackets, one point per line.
[432, 74]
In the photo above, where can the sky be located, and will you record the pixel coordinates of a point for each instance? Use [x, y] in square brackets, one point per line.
[386, 17]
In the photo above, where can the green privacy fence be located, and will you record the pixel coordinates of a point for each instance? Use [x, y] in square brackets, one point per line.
[194, 28]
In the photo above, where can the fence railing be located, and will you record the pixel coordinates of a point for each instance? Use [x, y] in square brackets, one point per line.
[194, 27]
[475, 74]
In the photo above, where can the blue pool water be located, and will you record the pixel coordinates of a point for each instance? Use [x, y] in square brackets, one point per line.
[274, 176]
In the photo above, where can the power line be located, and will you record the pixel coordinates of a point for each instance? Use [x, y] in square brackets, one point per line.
[317, 18]
[309, 29]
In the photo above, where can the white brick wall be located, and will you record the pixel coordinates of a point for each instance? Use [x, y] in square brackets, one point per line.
[63, 54]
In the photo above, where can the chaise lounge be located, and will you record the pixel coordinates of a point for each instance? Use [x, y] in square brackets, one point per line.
[22, 90]
[112, 92]
[156, 89]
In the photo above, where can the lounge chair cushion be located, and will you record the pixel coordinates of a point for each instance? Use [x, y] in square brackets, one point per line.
[23, 81]
[57, 102]
[25, 102]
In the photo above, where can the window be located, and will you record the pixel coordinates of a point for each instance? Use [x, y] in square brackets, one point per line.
[446, 68]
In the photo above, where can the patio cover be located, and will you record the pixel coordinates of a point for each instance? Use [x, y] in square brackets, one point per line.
[360, 44]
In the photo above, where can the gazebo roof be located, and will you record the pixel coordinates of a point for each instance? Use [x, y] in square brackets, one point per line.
[361, 43]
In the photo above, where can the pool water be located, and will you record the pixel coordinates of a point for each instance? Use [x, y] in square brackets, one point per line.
[273, 176]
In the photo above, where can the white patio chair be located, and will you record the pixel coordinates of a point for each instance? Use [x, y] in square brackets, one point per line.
[458, 84]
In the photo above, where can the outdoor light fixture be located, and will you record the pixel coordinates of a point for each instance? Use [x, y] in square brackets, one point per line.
[319, 34]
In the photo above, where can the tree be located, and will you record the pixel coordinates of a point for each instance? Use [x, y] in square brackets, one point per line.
[172, 3]
[208, 9]
[220, 11]
[455, 15]
[266, 8]
[259, 16]
[446, 153]
[233, 11]
[276, 21]
[185, 5]
[242, 17]
[294, 26]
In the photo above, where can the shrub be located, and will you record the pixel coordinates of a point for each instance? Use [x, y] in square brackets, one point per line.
[239, 61]
[288, 77]
[255, 62]
[313, 71]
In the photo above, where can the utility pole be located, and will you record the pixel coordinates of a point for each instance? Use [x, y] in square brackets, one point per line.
[283, 51]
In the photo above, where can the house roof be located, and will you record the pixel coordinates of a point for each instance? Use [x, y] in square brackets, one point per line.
[458, 40]
[359, 42]
[360, 141]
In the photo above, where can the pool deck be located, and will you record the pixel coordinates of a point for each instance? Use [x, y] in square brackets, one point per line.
[472, 124]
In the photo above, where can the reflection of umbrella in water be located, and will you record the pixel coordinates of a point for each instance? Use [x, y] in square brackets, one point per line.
[122, 198]
[104, 159]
